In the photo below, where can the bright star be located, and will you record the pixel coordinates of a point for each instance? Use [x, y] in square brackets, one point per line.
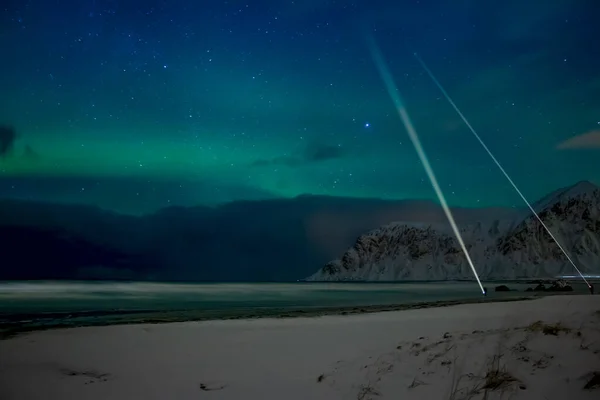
[367, 125]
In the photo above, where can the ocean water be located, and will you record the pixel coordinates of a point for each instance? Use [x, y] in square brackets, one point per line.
[69, 303]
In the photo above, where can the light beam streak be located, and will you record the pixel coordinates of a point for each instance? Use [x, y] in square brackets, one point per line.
[388, 81]
[447, 96]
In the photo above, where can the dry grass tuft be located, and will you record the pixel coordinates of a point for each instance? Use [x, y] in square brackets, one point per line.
[594, 382]
[416, 382]
[367, 392]
[498, 379]
[548, 329]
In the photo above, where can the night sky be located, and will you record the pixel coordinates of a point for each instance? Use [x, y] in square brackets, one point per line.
[136, 105]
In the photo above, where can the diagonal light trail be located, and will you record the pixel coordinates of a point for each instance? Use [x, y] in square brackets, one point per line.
[447, 96]
[388, 81]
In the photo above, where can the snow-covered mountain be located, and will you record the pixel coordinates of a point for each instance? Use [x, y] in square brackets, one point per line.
[501, 249]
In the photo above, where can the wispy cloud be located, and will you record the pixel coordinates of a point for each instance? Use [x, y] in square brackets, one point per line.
[589, 140]
[314, 153]
[7, 140]
[30, 154]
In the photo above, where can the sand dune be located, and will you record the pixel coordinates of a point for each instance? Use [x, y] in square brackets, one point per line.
[540, 349]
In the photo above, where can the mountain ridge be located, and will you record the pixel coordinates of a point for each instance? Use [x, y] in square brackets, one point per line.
[503, 249]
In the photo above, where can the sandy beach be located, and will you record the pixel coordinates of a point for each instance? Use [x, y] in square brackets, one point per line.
[547, 348]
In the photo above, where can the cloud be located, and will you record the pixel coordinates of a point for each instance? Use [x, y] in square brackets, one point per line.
[7, 140]
[317, 153]
[289, 161]
[8, 137]
[313, 153]
[30, 154]
[135, 194]
[258, 240]
[589, 140]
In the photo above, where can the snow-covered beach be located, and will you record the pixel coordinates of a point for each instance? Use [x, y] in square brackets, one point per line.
[547, 348]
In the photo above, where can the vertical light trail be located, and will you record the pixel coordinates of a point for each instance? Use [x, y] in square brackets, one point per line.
[447, 96]
[388, 81]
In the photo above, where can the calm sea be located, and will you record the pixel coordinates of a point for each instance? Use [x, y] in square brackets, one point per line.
[69, 303]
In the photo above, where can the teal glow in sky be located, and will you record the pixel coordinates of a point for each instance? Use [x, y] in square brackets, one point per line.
[135, 107]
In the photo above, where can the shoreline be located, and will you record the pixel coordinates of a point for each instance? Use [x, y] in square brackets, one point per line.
[68, 320]
[549, 348]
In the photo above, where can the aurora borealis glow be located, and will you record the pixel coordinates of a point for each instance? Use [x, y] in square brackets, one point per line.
[140, 105]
